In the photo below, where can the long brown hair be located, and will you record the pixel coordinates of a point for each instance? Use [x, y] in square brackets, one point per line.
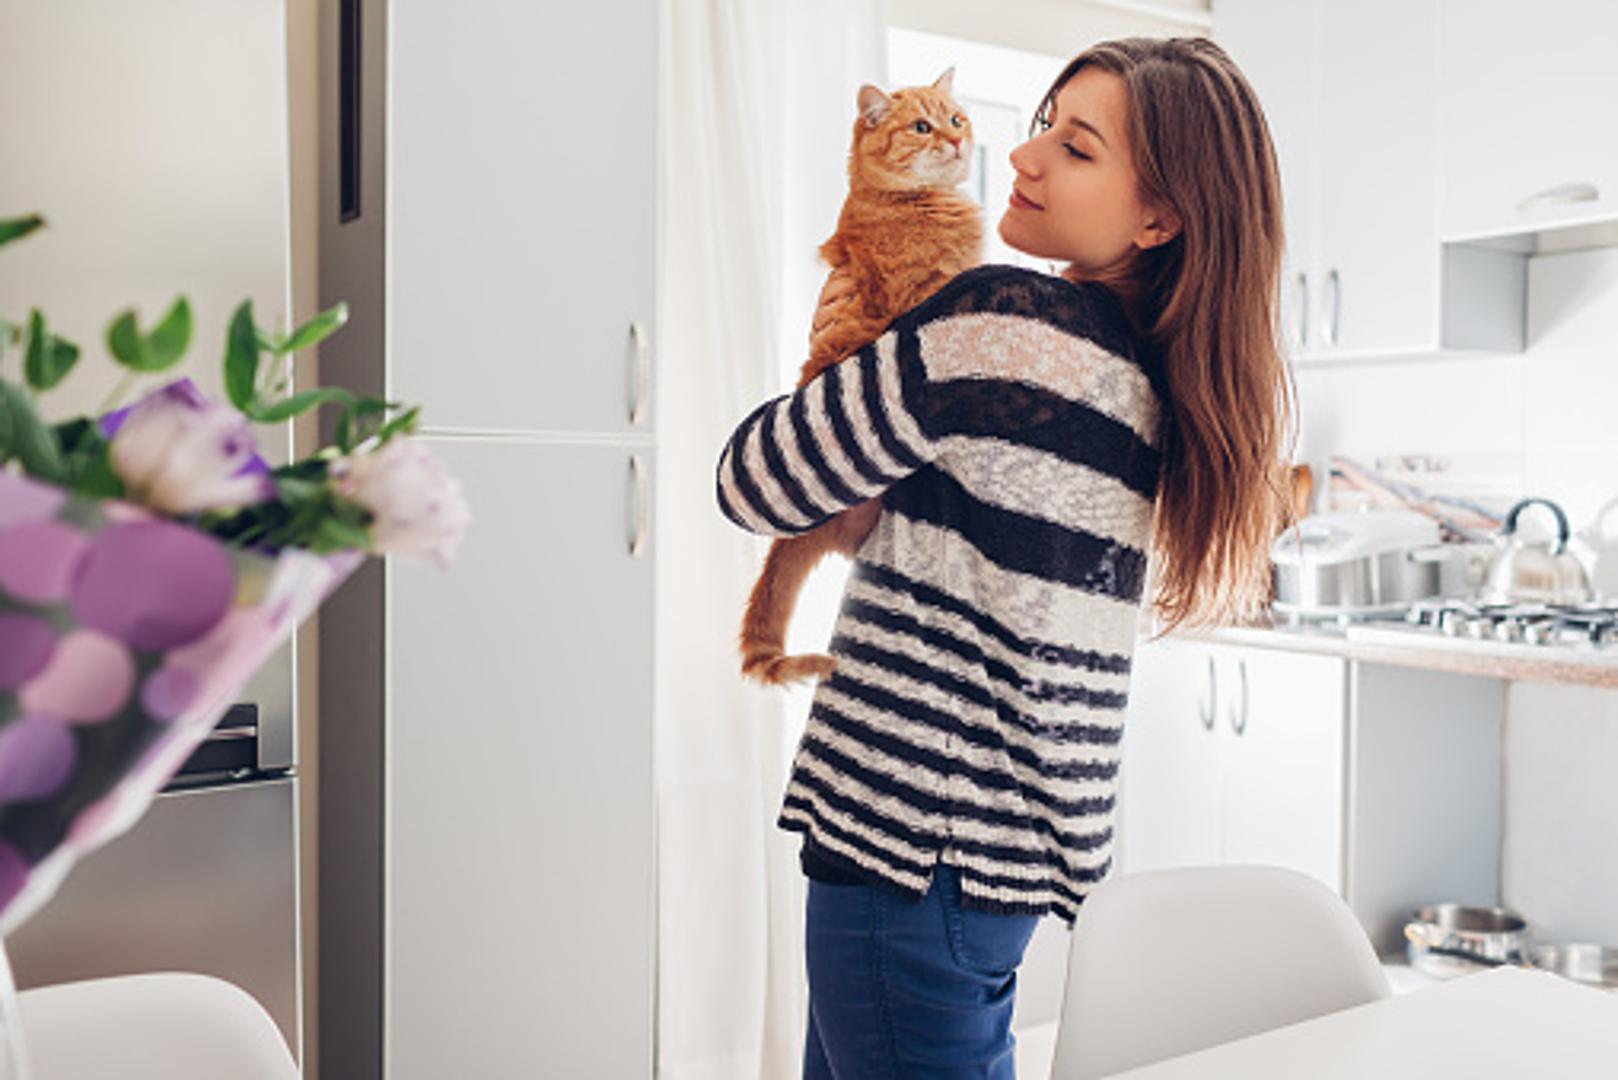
[1207, 300]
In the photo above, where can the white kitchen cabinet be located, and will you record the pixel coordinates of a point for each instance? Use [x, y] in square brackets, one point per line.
[519, 823]
[522, 147]
[1383, 783]
[1273, 43]
[1350, 95]
[1170, 793]
[1233, 755]
[1528, 97]
[1281, 761]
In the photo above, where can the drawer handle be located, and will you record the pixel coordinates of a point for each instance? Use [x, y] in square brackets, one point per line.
[1238, 717]
[1207, 714]
[1303, 309]
[642, 373]
[1560, 195]
[1331, 322]
[643, 506]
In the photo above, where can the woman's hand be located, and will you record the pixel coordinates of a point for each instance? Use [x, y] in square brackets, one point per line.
[855, 524]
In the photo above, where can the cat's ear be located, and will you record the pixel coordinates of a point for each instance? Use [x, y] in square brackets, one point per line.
[874, 104]
[945, 83]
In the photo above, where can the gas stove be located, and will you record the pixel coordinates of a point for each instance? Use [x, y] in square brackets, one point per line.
[1594, 624]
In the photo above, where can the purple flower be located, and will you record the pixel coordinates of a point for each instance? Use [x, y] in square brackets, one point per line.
[416, 505]
[179, 452]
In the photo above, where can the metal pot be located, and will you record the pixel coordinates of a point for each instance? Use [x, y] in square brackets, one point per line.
[1524, 572]
[1593, 965]
[1355, 563]
[1445, 939]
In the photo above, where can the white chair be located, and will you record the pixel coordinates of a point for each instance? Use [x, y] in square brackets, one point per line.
[1166, 962]
[164, 1026]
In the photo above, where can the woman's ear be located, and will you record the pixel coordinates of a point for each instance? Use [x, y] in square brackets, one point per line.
[1162, 225]
[874, 104]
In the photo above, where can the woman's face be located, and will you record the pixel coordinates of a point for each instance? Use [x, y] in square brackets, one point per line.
[1075, 196]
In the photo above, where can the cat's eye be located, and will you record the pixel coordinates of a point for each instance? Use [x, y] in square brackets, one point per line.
[923, 127]
[956, 120]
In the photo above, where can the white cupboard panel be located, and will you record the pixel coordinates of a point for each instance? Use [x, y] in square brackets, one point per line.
[1169, 783]
[522, 146]
[519, 810]
[1282, 744]
[1377, 256]
[1273, 43]
[1527, 99]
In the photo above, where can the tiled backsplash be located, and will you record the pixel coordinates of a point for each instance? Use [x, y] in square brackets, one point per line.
[1547, 422]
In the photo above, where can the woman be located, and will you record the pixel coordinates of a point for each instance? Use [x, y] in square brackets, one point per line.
[1031, 438]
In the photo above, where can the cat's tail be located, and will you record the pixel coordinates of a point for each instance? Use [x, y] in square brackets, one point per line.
[762, 640]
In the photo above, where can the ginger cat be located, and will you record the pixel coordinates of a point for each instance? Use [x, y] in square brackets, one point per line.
[903, 232]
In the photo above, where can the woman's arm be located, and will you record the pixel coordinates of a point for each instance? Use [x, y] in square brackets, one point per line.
[999, 352]
[846, 436]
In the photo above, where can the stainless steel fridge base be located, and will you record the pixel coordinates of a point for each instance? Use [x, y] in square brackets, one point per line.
[205, 882]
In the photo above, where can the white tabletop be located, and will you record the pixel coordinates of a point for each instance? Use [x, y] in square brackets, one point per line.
[1506, 1022]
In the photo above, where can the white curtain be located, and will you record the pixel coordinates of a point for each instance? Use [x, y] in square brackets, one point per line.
[756, 103]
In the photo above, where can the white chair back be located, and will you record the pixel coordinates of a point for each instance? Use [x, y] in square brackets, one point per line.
[1166, 962]
[162, 1026]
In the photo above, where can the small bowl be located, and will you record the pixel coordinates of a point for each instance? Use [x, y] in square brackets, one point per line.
[1592, 965]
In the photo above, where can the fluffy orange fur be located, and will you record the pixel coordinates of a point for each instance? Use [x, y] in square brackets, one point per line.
[903, 232]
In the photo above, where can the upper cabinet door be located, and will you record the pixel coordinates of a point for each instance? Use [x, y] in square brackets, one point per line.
[1529, 96]
[522, 170]
[1273, 42]
[1378, 252]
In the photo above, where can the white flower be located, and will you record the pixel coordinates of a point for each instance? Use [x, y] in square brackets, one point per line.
[416, 504]
[176, 455]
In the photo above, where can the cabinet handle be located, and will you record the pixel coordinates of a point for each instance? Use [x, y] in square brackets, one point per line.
[1560, 195]
[1238, 717]
[640, 486]
[1303, 309]
[1329, 326]
[641, 374]
[1206, 715]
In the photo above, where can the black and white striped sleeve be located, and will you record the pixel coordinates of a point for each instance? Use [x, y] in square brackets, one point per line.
[853, 431]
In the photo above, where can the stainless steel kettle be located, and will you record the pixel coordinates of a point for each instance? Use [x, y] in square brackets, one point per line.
[1527, 572]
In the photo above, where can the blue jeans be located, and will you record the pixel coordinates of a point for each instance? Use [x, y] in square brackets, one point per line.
[902, 988]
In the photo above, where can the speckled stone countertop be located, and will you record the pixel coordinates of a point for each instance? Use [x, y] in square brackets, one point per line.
[1394, 643]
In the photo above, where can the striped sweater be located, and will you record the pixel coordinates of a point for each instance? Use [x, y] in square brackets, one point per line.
[983, 646]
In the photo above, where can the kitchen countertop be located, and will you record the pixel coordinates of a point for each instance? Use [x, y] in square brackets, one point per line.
[1392, 643]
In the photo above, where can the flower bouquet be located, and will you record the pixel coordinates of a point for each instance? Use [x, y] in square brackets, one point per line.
[151, 561]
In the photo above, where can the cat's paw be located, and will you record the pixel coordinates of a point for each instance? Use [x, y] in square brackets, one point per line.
[778, 669]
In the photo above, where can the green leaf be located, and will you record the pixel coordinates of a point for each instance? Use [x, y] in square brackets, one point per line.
[49, 357]
[8, 430]
[168, 341]
[94, 476]
[17, 228]
[333, 534]
[32, 442]
[123, 340]
[403, 424]
[241, 358]
[321, 326]
[160, 349]
[297, 403]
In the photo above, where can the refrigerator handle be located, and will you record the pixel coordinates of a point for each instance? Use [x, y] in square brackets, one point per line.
[349, 44]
